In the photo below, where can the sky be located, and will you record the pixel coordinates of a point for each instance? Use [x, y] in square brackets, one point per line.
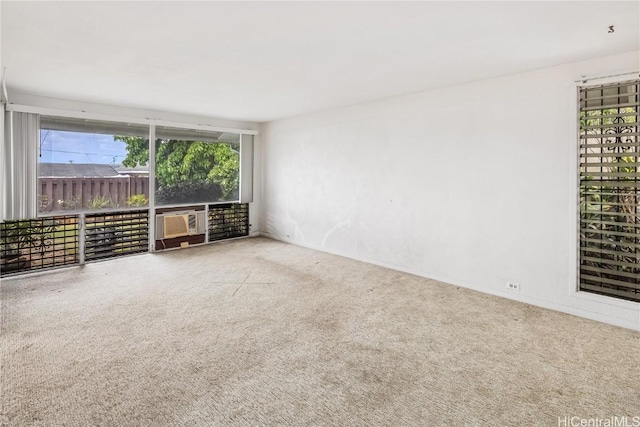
[79, 147]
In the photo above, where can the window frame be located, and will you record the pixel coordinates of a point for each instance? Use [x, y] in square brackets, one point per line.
[577, 156]
[152, 166]
[82, 211]
[246, 157]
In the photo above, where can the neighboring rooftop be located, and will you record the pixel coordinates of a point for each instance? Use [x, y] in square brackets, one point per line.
[137, 169]
[77, 170]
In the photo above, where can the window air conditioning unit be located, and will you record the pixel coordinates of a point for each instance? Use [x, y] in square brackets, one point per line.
[180, 224]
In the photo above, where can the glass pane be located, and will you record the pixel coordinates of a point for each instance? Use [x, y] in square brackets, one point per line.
[89, 165]
[196, 167]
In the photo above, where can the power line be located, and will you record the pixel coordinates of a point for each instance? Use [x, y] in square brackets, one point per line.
[84, 152]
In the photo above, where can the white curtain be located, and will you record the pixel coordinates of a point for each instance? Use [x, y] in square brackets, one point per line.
[19, 172]
[2, 160]
[246, 168]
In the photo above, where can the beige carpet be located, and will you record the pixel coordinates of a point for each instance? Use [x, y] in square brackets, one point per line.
[258, 332]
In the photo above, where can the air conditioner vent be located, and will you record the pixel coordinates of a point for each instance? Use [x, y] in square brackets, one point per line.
[180, 224]
[176, 226]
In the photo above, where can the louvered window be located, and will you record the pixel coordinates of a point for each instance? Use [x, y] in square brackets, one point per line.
[610, 190]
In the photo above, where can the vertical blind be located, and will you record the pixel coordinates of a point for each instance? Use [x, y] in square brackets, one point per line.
[2, 162]
[610, 190]
[19, 157]
[246, 169]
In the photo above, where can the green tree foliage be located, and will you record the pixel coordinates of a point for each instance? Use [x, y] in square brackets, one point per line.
[188, 161]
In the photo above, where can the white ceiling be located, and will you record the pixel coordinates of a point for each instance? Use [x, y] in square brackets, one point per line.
[268, 60]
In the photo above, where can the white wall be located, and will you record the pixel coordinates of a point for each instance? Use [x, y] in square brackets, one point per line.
[474, 185]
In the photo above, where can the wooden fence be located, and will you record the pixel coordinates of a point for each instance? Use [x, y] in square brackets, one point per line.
[55, 194]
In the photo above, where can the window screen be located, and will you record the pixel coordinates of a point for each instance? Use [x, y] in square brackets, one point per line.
[194, 166]
[610, 190]
[88, 165]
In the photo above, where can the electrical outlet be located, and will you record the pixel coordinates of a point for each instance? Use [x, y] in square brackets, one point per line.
[513, 286]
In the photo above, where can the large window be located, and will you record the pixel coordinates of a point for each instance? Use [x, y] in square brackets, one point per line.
[91, 165]
[610, 190]
[196, 167]
[80, 190]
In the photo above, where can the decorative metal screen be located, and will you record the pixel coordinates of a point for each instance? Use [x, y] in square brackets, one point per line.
[228, 221]
[34, 244]
[115, 234]
[610, 190]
